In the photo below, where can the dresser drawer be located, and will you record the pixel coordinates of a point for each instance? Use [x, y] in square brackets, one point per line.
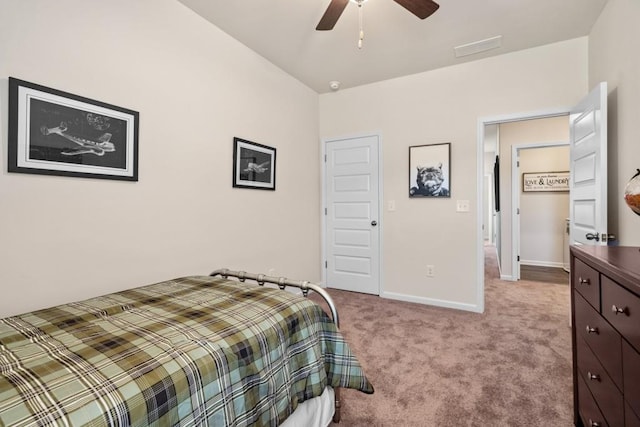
[586, 280]
[622, 309]
[603, 340]
[631, 419]
[604, 391]
[631, 369]
[589, 412]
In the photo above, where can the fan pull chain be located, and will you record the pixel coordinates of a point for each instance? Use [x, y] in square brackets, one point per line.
[361, 35]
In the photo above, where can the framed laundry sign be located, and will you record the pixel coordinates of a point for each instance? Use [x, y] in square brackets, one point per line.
[545, 181]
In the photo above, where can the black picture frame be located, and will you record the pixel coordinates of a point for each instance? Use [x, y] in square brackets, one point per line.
[52, 132]
[430, 170]
[254, 165]
[496, 183]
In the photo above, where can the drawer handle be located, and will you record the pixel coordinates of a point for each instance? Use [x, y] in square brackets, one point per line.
[593, 377]
[618, 310]
[594, 423]
[591, 330]
[583, 281]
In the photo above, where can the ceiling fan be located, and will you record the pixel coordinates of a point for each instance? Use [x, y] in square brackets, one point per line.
[421, 8]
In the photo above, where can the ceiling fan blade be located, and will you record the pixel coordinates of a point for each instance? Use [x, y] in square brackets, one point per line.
[331, 15]
[421, 8]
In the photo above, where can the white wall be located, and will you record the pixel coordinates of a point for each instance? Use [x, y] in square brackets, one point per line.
[64, 239]
[196, 88]
[490, 151]
[543, 214]
[487, 207]
[444, 106]
[614, 58]
[553, 129]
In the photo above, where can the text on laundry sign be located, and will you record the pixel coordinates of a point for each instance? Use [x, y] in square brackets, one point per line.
[545, 181]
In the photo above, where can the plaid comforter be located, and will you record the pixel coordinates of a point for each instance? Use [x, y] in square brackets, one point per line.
[190, 351]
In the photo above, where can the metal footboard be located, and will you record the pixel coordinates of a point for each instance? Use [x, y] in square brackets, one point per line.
[282, 283]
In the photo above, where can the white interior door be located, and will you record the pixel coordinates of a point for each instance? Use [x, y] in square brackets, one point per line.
[588, 184]
[352, 235]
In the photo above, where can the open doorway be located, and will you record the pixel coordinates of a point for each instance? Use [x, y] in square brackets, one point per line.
[587, 128]
[501, 142]
[540, 211]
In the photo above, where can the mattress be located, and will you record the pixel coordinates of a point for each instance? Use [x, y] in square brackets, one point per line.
[315, 412]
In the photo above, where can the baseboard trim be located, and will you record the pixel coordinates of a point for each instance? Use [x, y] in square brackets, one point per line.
[432, 301]
[507, 278]
[542, 263]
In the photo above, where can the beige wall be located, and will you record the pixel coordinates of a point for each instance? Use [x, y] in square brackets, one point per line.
[444, 106]
[62, 239]
[614, 58]
[555, 129]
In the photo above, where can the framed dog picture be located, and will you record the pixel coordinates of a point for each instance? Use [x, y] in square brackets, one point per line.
[254, 165]
[430, 170]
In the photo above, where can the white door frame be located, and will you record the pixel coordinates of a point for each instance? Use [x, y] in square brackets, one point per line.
[323, 206]
[515, 200]
[482, 122]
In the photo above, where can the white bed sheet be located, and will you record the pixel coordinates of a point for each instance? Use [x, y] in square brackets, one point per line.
[316, 412]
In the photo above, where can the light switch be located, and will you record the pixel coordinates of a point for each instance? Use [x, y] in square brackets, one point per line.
[391, 205]
[462, 206]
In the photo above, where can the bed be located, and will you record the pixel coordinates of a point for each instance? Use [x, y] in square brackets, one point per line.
[198, 350]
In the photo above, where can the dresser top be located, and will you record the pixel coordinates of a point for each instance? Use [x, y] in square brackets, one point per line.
[621, 263]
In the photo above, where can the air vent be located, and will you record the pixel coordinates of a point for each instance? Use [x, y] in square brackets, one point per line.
[477, 47]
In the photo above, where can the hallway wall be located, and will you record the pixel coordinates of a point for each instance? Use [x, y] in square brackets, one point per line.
[543, 214]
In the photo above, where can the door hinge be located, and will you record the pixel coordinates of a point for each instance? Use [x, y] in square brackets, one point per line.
[325, 264]
[518, 258]
[325, 158]
[518, 163]
[325, 211]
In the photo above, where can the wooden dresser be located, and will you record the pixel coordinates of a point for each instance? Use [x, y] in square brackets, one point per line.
[605, 314]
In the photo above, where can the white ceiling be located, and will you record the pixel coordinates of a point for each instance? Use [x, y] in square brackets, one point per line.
[396, 42]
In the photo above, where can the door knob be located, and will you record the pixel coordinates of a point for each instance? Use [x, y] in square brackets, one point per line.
[591, 236]
[374, 223]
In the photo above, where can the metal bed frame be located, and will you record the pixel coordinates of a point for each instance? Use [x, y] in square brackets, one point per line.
[282, 283]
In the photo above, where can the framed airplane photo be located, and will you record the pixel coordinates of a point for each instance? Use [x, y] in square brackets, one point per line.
[254, 165]
[57, 133]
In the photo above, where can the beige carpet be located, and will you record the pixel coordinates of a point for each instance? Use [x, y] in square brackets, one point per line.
[510, 366]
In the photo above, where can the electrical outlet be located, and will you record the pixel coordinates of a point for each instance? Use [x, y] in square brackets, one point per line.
[430, 271]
